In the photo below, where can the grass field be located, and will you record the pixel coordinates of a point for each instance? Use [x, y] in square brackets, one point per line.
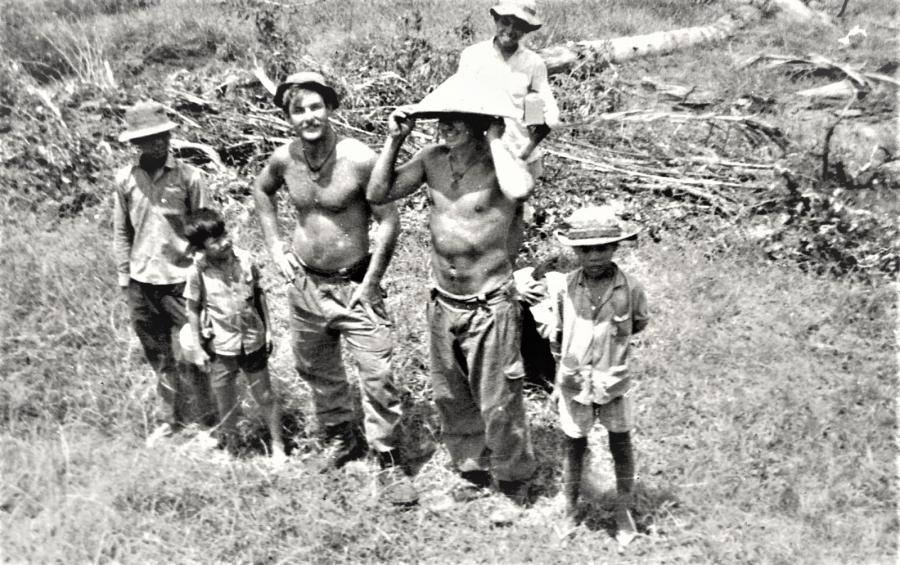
[767, 400]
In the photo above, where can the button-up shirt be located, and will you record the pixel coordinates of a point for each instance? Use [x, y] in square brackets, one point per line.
[226, 293]
[595, 332]
[148, 221]
[523, 72]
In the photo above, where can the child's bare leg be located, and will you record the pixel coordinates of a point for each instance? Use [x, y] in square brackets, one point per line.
[261, 389]
[623, 459]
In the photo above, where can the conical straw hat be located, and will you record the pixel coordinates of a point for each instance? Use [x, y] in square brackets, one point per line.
[465, 94]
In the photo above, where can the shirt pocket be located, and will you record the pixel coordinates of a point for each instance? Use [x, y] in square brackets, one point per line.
[173, 200]
[243, 291]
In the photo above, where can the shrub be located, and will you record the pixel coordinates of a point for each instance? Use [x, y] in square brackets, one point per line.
[54, 160]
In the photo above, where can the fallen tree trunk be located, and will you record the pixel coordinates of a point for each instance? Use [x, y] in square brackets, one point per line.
[561, 58]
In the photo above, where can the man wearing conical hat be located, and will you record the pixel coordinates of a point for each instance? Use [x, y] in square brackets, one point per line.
[153, 197]
[475, 185]
[335, 271]
[507, 63]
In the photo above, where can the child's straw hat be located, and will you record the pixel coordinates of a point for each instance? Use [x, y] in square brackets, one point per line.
[594, 225]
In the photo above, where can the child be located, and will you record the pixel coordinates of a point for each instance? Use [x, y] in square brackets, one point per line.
[594, 311]
[223, 284]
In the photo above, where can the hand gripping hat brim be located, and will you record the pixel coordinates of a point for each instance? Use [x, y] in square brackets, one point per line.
[146, 119]
[308, 80]
[594, 225]
[524, 10]
[463, 94]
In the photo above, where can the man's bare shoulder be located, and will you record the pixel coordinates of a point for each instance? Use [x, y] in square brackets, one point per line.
[355, 151]
[431, 152]
[282, 154]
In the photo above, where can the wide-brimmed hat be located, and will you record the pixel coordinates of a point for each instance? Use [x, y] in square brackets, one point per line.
[594, 225]
[145, 119]
[524, 10]
[309, 80]
[464, 94]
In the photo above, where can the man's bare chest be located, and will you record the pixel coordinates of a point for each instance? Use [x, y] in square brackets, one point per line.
[335, 189]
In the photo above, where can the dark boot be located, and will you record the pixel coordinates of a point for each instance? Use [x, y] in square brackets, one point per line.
[229, 442]
[623, 459]
[349, 443]
[574, 448]
[393, 482]
[515, 495]
[475, 485]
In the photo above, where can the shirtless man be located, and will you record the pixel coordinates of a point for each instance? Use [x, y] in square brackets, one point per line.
[336, 288]
[475, 184]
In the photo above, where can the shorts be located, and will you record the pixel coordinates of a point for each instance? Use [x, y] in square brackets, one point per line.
[224, 368]
[576, 419]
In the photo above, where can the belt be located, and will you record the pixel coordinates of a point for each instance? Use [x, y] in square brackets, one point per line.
[474, 301]
[354, 272]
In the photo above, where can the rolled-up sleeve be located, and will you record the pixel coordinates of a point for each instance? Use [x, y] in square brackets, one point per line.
[541, 85]
[198, 193]
[123, 236]
[192, 287]
[639, 309]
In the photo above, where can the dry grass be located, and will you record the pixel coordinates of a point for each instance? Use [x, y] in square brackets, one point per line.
[766, 407]
[765, 433]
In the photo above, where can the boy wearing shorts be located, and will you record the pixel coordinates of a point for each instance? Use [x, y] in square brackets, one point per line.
[594, 312]
[223, 285]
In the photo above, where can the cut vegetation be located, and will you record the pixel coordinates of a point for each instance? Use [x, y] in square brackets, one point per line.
[766, 426]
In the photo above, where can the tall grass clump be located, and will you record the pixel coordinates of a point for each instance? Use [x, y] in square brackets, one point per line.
[66, 342]
[53, 41]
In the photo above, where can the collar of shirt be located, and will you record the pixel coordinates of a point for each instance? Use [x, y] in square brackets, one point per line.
[618, 281]
[499, 53]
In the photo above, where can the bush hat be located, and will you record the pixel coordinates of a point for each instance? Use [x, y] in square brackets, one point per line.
[309, 80]
[462, 94]
[525, 10]
[146, 119]
[594, 225]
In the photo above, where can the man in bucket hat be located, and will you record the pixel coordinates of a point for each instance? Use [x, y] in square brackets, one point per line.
[335, 279]
[153, 197]
[475, 185]
[521, 72]
[590, 316]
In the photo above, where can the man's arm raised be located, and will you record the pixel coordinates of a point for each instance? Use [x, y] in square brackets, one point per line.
[389, 182]
[513, 177]
[266, 185]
